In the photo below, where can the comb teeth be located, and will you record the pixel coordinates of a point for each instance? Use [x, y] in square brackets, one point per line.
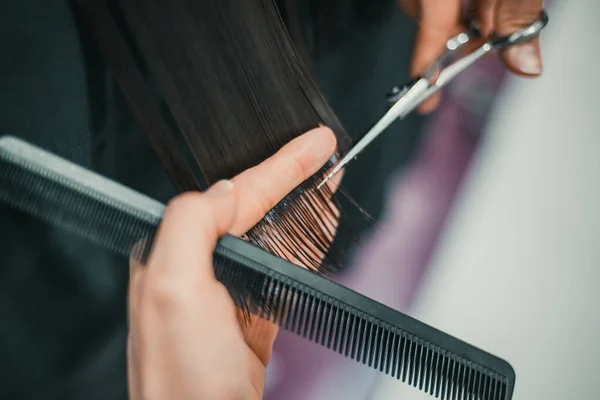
[352, 332]
[118, 218]
[392, 350]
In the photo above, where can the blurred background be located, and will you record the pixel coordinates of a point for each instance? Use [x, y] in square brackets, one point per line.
[517, 268]
[491, 232]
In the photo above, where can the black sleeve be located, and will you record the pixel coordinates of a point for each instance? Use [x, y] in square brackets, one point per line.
[57, 311]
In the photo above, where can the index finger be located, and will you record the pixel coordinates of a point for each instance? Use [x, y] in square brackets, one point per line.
[259, 189]
[266, 184]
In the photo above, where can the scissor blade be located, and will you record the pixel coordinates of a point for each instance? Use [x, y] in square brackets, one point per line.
[448, 74]
[398, 109]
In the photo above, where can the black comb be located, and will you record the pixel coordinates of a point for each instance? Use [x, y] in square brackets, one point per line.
[116, 217]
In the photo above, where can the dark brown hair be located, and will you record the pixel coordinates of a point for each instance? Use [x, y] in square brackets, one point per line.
[224, 76]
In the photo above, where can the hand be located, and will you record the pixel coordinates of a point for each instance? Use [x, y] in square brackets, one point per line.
[187, 340]
[439, 20]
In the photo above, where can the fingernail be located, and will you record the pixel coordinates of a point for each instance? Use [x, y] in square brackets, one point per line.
[526, 58]
[220, 189]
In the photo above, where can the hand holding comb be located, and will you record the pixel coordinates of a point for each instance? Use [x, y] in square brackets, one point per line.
[116, 217]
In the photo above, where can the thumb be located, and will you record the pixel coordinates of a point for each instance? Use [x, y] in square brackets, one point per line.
[440, 20]
[191, 226]
[524, 59]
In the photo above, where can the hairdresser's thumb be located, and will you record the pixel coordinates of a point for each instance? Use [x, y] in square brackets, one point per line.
[524, 59]
[186, 238]
[222, 202]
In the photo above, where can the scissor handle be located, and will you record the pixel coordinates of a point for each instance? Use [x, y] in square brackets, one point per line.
[454, 44]
[405, 99]
[523, 35]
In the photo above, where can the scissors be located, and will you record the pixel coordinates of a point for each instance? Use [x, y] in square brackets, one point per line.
[406, 99]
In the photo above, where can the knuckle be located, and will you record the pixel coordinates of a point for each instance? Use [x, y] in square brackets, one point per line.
[165, 295]
[169, 296]
[191, 207]
[508, 22]
[291, 173]
[184, 204]
[517, 15]
[185, 200]
[296, 169]
[263, 203]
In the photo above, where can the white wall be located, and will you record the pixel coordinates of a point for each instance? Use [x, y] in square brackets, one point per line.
[518, 272]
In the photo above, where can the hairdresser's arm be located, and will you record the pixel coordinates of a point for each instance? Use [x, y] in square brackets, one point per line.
[185, 339]
[439, 20]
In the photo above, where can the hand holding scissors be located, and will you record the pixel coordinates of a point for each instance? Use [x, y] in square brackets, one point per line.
[440, 19]
[406, 99]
